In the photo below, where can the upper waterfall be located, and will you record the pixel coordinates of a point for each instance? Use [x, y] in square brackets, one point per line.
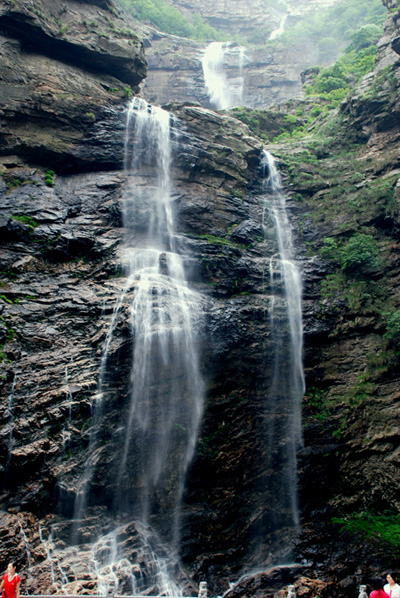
[218, 58]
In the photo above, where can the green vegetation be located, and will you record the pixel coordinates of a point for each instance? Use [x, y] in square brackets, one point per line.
[25, 219]
[383, 527]
[267, 124]
[316, 402]
[360, 255]
[367, 36]
[15, 182]
[48, 179]
[217, 240]
[5, 320]
[333, 83]
[335, 27]
[169, 19]
[392, 334]
[385, 80]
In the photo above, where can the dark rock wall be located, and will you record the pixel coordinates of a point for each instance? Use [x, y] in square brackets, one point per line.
[62, 270]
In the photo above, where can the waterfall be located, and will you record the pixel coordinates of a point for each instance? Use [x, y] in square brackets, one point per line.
[10, 441]
[154, 422]
[166, 387]
[277, 32]
[224, 92]
[286, 384]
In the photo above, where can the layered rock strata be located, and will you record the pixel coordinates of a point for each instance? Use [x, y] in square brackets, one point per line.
[62, 272]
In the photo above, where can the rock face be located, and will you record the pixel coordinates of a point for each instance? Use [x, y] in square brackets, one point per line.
[245, 17]
[268, 75]
[62, 272]
[52, 108]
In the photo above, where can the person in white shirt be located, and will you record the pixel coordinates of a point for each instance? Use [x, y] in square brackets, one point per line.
[392, 588]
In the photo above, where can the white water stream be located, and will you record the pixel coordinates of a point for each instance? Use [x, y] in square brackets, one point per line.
[166, 387]
[159, 423]
[279, 30]
[287, 382]
[220, 58]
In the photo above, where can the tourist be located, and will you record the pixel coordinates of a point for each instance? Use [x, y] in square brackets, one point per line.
[378, 591]
[392, 588]
[10, 582]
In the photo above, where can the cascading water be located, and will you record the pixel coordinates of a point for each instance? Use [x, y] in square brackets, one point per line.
[286, 381]
[224, 92]
[277, 32]
[154, 431]
[166, 386]
[10, 442]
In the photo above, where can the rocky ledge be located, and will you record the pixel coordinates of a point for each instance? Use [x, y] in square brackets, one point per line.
[65, 71]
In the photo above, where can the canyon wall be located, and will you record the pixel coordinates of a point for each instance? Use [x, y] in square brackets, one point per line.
[270, 74]
[66, 78]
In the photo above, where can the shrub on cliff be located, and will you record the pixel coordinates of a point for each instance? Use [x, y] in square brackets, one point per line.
[360, 255]
[392, 334]
[365, 37]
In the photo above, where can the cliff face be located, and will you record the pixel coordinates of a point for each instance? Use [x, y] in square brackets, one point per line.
[268, 75]
[62, 274]
[63, 72]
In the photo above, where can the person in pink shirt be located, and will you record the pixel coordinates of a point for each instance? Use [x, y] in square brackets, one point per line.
[9, 587]
[378, 591]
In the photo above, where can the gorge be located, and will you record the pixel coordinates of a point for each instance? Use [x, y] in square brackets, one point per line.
[150, 254]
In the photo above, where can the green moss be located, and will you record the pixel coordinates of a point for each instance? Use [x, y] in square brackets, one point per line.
[381, 527]
[25, 219]
[48, 179]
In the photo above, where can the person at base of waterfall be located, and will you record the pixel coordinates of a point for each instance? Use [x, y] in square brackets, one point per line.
[378, 591]
[392, 588]
[9, 587]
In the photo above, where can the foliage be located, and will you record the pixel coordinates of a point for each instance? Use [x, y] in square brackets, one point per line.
[267, 124]
[316, 401]
[392, 334]
[367, 36]
[360, 254]
[384, 527]
[48, 179]
[25, 219]
[169, 19]
[334, 27]
[333, 83]
[385, 80]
